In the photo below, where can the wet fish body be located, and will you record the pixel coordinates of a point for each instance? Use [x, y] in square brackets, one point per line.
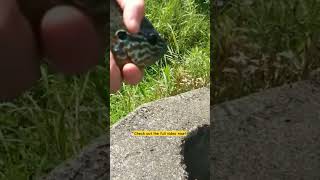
[143, 48]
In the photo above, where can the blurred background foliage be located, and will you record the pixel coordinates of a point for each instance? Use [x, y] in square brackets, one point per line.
[259, 44]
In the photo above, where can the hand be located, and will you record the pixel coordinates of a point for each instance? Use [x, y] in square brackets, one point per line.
[32, 31]
[133, 12]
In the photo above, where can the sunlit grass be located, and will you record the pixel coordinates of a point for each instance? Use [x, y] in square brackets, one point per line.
[57, 117]
[263, 44]
[186, 66]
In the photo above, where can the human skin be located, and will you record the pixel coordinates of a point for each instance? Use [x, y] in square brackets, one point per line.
[31, 30]
[133, 12]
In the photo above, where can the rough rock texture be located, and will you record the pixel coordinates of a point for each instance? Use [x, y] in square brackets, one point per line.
[160, 157]
[91, 164]
[269, 135]
[149, 157]
[274, 134]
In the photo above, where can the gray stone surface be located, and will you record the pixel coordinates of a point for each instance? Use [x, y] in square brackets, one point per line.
[269, 135]
[274, 134]
[149, 157]
[91, 164]
[159, 157]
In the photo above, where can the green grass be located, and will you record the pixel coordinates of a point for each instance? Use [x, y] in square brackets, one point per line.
[256, 45]
[263, 44]
[50, 123]
[185, 25]
[57, 117]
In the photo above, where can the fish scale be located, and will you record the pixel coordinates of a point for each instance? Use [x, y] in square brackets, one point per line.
[143, 48]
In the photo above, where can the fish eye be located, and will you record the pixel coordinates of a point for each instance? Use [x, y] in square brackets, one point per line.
[152, 39]
[122, 35]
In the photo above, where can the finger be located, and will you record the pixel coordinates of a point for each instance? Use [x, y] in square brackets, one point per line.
[133, 13]
[131, 74]
[115, 75]
[70, 40]
[19, 66]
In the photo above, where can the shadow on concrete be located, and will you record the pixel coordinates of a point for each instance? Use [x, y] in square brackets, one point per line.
[195, 151]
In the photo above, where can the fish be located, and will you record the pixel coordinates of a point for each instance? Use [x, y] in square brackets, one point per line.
[143, 48]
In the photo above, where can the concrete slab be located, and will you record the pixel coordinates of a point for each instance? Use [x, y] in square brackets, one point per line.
[135, 157]
[274, 134]
[269, 135]
[91, 164]
[149, 157]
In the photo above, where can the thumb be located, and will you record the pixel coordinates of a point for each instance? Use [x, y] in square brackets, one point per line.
[133, 14]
